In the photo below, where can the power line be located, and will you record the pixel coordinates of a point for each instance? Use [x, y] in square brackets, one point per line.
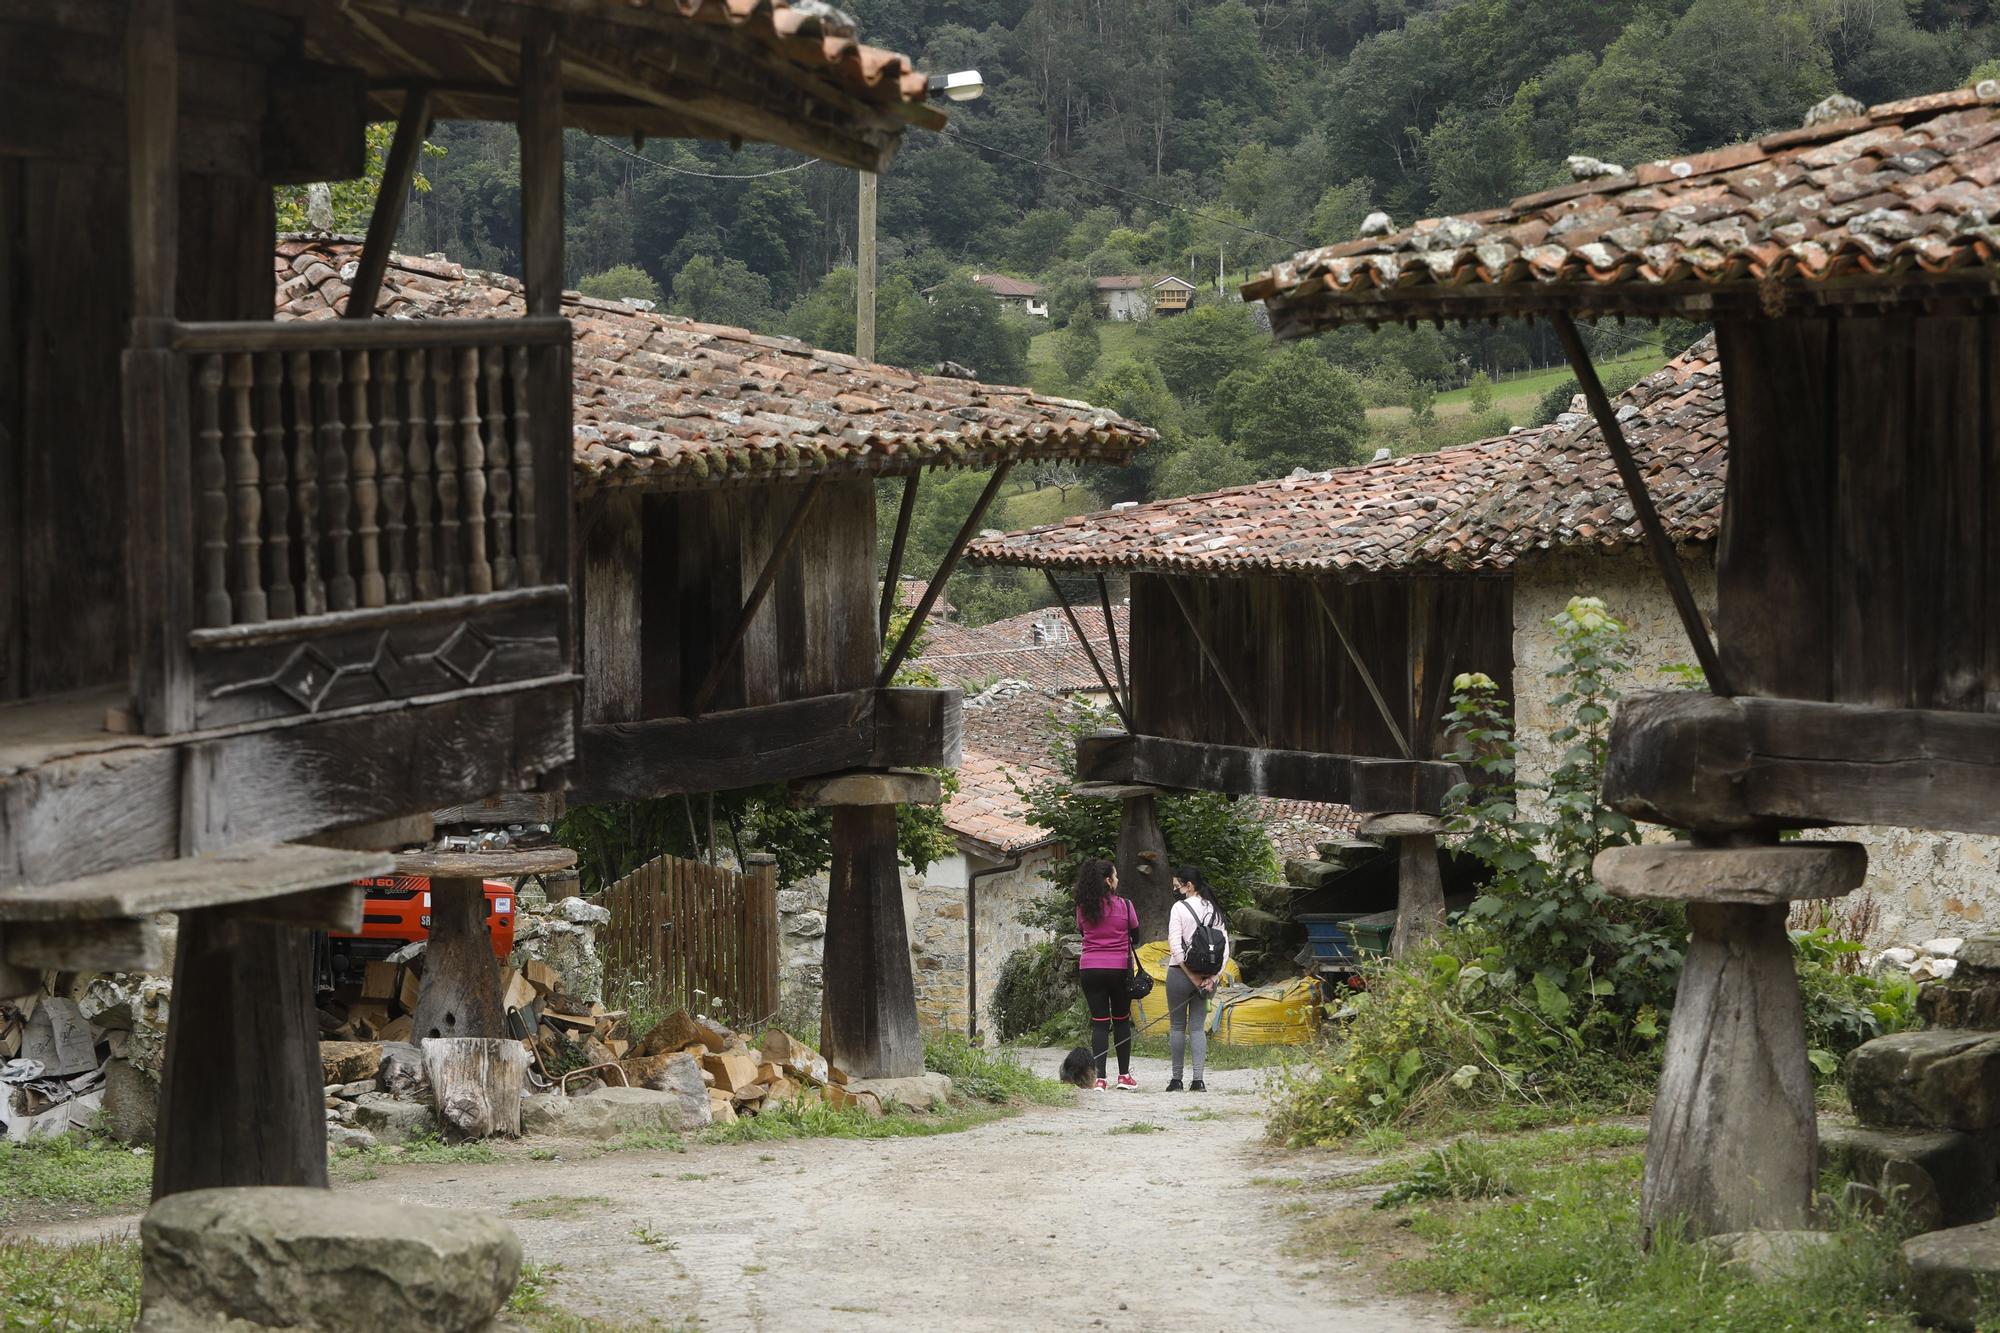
[950, 133]
[705, 175]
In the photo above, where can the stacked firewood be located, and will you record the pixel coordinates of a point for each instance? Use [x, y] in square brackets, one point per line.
[742, 1079]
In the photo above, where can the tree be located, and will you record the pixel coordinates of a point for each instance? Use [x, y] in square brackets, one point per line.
[353, 201]
[1077, 349]
[1201, 465]
[723, 291]
[1292, 411]
[972, 329]
[1480, 392]
[1199, 350]
[621, 282]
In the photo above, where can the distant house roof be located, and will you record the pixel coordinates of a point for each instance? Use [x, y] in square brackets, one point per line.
[1468, 509]
[1901, 192]
[972, 657]
[665, 402]
[1171, 281]
[1002, 285]
[1011, 729]
[1129, 282]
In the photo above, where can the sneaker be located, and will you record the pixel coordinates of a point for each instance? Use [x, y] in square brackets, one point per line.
[1100, 1085]
[1126, 1083]
[1197, 1086]
[1173, 1085]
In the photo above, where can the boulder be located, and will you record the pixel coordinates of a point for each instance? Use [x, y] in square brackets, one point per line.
[346, 1136]
[927, 1091]
[1981, 953]
[348, 1061]
[309, 1259]
[676, 1071]
[1963, 1002]
[609, 1112]
[394, 1119]
[1947, 1272]
[401, 1072]
[1942, 1079]
[1768, 1256]
[1312, 874]
[1960, 1171]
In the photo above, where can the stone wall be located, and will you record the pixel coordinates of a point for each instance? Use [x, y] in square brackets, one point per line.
[1921, 885]
[934, 913]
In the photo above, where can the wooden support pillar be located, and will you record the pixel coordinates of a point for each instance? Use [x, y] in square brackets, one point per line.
[461, 995]
[1145, 875]
[540, 129]
[1419, 882]
[868, 1010]
[240, 1097]
[1734, 1138]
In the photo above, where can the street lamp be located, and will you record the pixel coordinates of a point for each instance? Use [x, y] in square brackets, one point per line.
[963, 86]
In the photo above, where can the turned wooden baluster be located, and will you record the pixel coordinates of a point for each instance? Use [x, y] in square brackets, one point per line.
[333, 484]
[247, 501]
[418, 453]
[451, 563]
[395, 492]
[305, 467]
[212, 476]
[472, 473]
[362, 466]
[527, 547]
[277, 492]
[499, 481]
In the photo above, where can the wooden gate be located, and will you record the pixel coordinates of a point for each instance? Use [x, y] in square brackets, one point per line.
[688, 934]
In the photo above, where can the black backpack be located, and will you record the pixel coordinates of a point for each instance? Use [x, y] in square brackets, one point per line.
[1207, 946]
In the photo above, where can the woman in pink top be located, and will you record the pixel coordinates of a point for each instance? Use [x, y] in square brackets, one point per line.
[1110, 927]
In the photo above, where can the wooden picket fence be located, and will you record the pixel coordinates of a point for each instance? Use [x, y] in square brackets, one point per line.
[688, 934]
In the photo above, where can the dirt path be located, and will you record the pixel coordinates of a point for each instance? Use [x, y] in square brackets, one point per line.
[1046, 1219]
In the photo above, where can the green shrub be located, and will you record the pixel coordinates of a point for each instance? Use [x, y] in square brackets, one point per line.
[989, 1076]
[1845, 1008]
[1036, 987]
[1462, 1169]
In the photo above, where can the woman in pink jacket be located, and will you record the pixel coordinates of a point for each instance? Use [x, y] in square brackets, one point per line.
[1110, 927]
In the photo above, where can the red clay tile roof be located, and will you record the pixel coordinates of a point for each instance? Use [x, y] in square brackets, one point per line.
[1002, 285]
[1468, 509]
[1296, 828]
[973, 656]
[1903, 193]
[1010, 728]
[665, 402]
[1127, 282]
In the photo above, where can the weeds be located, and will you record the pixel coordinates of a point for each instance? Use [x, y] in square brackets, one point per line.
[657, 1240]
[72, 1169]
[1461, 1169]
[818, 1120]
[1137, 1127]
[996, 1077]
[648, 1140]
[73, 1288]
[557, 1205]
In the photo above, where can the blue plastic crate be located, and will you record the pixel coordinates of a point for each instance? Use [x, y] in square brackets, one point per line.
[1327, 933]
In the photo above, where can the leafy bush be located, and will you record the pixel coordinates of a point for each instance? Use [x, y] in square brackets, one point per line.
[1035, 991]
[1845, 1008]
[1462, 1169]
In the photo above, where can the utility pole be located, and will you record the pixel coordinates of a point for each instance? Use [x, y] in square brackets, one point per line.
[864, 271]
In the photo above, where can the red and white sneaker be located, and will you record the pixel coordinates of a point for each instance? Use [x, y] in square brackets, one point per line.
[1100, 1085]
[1126, 1083]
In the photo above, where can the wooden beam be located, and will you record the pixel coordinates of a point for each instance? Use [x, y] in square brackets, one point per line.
[523, 807]
[753, 603]
[1367, 676]
[486, 865]
[944, 572]
[1117, 701]
[747, 747]
[868, 1012]
[1364, 784]
[338, 909]
[228, 878]
[152, 112]
[1657, 540]
[540, 128]
[390, 196]
[894, 787]
[1214, 663]
[95, 944]
[1690, 760]
[1111, 637]
[892, 577]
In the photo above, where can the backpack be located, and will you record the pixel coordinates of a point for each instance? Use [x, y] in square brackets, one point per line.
[1206, 946]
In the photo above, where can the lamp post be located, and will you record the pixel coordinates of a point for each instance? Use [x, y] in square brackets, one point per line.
[963, 86]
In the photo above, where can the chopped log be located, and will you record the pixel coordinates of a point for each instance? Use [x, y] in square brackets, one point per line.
[1770, 876]
[540, 975]
[515, 992]
[1144, 873]
[733, 1070]
[476, 1085]
[460, 996]
[1734, 1138]
[1419, 892]
[378, 981]
[862, 788]
[868, 1008]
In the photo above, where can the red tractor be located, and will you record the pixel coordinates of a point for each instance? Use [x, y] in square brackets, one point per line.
[398, 912]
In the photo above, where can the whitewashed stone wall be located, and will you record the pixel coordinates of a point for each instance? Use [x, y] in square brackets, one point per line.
[1921, 885]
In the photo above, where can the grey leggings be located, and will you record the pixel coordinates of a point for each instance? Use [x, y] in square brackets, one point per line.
[1187, 1011]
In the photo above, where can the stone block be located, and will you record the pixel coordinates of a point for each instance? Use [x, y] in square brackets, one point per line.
[921, 1092]
[1961, 1171]
[348, 1061]
[310, 1259]
[1981, 953]
[1348, 852]
[1948, 1273]
[1312, 874]
[1969, 1001]
[610, 1112]
[394, 1119]
[1943, 1079]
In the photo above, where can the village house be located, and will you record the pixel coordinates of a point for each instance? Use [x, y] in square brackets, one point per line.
[1127, 297]
[1016, 293]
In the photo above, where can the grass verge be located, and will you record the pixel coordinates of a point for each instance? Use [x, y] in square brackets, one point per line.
[995, 1077]
[101, 1175]
[1542, 1231]
[73, 1288]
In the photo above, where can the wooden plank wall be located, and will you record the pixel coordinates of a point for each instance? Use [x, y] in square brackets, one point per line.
[685, 934]
[1857, 562]
[1290, 670]
[700, 553]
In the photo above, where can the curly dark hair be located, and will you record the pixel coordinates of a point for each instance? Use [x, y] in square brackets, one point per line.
[1093, 887]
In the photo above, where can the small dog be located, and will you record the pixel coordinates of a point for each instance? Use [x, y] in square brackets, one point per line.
[1079, 1069]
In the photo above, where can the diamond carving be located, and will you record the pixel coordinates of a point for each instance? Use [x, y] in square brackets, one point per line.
[306, 677]
[466, 654]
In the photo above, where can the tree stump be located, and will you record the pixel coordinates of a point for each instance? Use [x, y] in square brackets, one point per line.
[460, 995]
[476, 1083]
[868, 1007]
[240, 1096]
[1734, 1139]
[1144, 873]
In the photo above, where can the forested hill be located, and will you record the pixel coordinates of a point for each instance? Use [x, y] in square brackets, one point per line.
[1186, 136]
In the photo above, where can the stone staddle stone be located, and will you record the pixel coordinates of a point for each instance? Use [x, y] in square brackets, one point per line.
[310, 1259]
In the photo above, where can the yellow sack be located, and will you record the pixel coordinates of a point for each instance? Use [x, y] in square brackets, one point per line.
[1285, 1013]
[1149, 1015]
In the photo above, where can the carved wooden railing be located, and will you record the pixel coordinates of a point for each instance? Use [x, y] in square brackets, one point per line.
[369, 511]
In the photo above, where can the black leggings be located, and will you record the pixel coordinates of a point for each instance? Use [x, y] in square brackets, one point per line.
[1110, 1014]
